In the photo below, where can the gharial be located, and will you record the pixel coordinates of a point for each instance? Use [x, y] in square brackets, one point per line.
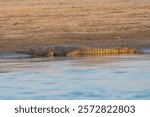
[73, 51]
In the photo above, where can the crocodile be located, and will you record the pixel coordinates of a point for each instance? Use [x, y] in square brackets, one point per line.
[73, 51]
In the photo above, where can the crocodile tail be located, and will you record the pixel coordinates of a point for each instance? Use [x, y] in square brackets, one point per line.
[129, 50]
[136, 51]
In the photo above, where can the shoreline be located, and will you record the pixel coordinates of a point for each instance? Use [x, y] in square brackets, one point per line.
[112, 23]
[22, 55]
[92, 40]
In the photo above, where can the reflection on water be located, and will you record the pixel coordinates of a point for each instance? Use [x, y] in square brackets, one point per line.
[105, 77]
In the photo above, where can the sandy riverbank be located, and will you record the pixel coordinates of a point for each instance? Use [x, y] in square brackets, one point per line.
[102, 23]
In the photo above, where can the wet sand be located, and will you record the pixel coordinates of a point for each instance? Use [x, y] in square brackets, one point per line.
[100, 23]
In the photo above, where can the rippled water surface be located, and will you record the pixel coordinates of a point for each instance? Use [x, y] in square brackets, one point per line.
[105, 77]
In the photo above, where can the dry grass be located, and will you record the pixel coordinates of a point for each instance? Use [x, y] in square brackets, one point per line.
[103, 23]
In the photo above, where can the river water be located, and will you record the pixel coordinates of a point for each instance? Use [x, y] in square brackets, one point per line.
[103, 77]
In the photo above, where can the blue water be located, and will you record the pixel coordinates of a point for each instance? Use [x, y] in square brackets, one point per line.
[105, 77]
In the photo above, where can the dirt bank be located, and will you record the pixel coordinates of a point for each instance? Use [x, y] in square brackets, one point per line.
[102, 23]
